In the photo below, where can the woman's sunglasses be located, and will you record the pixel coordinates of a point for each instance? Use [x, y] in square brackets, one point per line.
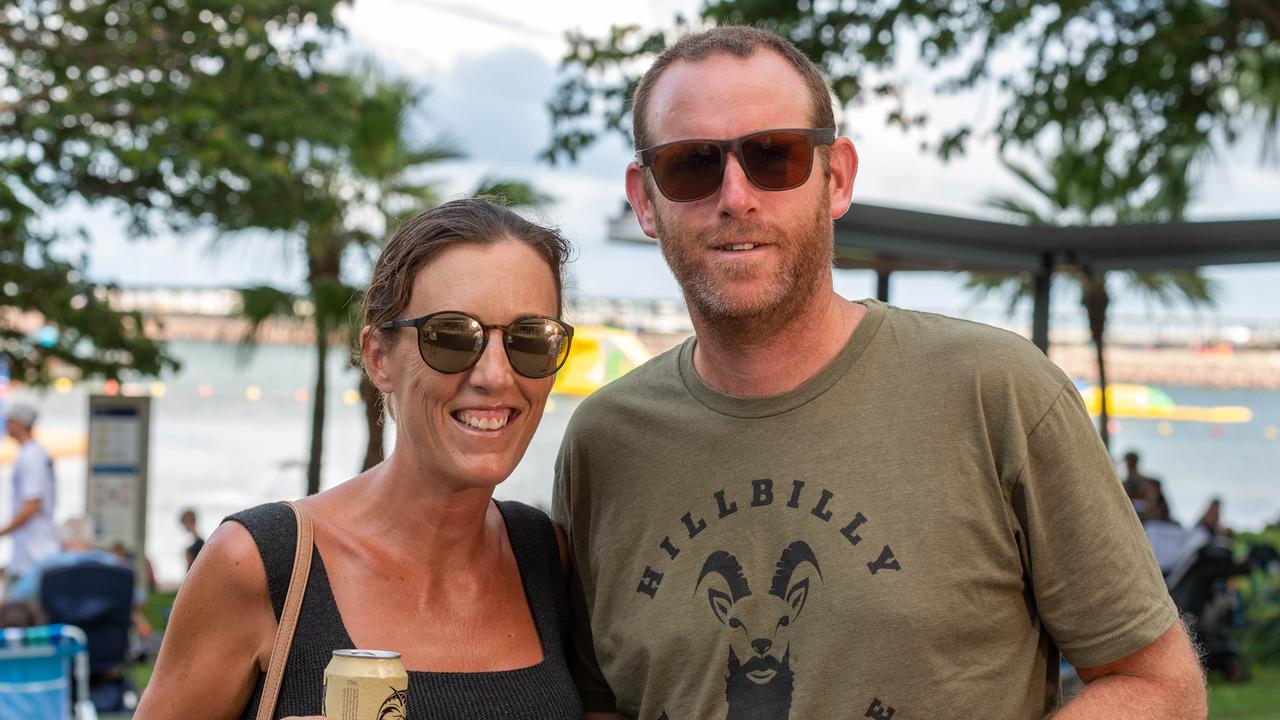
[688, 170]
[452, 342]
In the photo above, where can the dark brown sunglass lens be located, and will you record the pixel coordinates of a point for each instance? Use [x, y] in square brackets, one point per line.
[777, 161]
[450, 343]
[537, 347]
[688, 171]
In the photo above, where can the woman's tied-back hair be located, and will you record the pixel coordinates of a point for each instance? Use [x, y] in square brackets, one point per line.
[740, 41]
[418, 241]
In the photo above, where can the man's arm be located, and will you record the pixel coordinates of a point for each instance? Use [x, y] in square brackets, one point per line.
[29, 509]
[1162, 681]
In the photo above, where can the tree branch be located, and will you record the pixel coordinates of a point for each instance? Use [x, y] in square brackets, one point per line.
[1265, 11]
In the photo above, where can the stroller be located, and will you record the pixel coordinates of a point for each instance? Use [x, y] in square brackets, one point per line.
[98, 598]
[1197, 583]
[37, 668]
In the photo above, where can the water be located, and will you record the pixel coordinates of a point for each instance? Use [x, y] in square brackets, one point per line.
[223, 453]
[1197, 462]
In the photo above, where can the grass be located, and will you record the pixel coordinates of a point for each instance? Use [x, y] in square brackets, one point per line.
[1257, 699]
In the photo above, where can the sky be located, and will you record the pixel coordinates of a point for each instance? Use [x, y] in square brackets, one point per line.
[491, 69]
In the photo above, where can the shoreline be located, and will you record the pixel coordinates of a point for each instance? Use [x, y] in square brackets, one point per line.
[1253, 369]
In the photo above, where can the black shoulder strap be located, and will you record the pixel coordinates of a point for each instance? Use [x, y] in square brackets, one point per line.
[533, 540]
[275, 532]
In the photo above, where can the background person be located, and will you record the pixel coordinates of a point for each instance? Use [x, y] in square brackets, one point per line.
[1143, 491]
[462, 335]
[34, 492]
[77, 547]
[188, 521]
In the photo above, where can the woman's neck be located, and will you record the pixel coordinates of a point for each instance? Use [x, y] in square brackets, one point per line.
[399, 504]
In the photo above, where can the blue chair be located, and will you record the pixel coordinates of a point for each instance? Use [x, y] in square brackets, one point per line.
[37, 668]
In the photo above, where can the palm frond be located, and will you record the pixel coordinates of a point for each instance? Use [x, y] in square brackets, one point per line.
[333, 301]
[1011, 288]
[258, 304]
[1028, 178]
[512, 193]
[1168, 287]
[1020, 210]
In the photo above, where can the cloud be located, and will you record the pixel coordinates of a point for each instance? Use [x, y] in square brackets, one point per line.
[481, 15]
[495, 105]
[168, 260]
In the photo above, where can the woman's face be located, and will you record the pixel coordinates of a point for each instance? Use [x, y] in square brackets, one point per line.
[437, 414]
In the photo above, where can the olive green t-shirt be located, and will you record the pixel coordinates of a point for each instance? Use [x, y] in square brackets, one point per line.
[913, 533]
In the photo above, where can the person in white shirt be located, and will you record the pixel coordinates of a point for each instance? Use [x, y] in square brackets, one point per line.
[34, 534]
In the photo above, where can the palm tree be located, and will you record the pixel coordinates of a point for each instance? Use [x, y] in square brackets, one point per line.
[1080, 189]
[376, 179]
[391, 166]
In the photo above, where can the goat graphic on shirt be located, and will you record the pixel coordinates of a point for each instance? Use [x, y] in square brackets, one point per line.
[758, 613]
[759, 679]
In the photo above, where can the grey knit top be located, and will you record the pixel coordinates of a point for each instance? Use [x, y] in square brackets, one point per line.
[540, 692]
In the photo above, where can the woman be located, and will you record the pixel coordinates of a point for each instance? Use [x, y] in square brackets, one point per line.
[461, 334]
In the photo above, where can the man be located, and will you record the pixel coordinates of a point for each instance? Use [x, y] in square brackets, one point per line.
[1141, 488]
[32, 528]
[825, 509]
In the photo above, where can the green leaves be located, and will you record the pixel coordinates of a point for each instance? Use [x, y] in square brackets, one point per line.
[52, 319]
[131, 102]
[1160, 78]
[1078, 187]
[212, 114]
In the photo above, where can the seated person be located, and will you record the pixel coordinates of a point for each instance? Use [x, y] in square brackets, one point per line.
[20, 614]
[1170, 542]
[76, 539]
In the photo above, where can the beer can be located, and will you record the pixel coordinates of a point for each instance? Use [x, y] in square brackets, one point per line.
[365, 685]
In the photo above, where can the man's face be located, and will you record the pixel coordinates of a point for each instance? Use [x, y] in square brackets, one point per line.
[741, 253]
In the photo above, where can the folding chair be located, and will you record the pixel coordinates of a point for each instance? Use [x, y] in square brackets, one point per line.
[37, 665]
[97, 598]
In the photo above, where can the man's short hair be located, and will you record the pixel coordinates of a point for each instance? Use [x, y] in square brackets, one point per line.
[740, 41]
[76, 531]
[23, 414]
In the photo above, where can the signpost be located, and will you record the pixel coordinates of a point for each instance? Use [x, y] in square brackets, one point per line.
[116, 486]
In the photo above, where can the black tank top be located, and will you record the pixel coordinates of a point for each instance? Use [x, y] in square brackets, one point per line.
[539, 692]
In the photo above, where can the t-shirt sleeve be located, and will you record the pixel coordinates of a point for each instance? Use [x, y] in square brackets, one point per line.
[1095, 581]
[595, 691]
[33, 475]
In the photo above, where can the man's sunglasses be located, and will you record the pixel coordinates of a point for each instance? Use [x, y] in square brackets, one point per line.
[452, 342]
[688, 170]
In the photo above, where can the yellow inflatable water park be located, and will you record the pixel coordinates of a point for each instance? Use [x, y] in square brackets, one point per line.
[599, 355]
[1144, 402]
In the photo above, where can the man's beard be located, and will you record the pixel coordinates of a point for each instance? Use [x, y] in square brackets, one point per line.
[805, 255]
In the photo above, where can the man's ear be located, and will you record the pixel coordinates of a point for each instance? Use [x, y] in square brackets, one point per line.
[844, 168]
[640, 201]
[374, 351]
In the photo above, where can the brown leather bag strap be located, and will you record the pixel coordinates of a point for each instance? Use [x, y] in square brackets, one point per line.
[289, 616]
